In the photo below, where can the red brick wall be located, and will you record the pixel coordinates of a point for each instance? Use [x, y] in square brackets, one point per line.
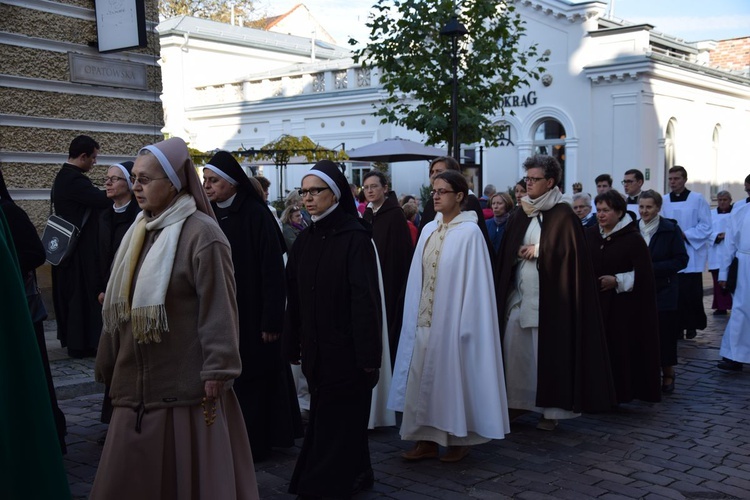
[732, 55]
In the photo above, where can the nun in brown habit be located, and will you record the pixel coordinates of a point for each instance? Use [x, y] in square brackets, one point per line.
[169, 348]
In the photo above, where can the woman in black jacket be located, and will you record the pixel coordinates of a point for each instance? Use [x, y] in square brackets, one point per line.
[668, 256]
[31, 255]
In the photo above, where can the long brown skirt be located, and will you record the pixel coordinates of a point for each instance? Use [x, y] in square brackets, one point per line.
[177, 456]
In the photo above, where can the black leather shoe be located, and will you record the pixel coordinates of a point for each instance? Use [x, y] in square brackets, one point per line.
[729, 365]
[363, 481]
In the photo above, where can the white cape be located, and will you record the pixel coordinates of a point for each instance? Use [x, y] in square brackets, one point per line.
[380, 415]
[463, 382]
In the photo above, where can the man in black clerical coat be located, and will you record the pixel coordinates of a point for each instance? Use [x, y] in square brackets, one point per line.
[265, 389]
[392, 238]
[333, 325]
[76, 281]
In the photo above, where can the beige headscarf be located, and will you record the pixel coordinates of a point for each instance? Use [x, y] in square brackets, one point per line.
[147, 312]
[174, 158]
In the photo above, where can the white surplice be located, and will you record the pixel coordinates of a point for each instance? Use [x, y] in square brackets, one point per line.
[694, 218]
[719, 224]
[735, 344]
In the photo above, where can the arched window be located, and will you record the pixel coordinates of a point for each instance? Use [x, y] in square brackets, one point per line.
[549, 139]
[670, 157]
[715, 160]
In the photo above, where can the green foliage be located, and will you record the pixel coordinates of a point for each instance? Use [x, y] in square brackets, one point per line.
[424, 194]
[416, 71]
[216, 10]
[287, 146]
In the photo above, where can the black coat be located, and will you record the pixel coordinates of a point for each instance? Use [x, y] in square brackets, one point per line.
[25, 238]
[112, 228]
[76, 282]
[630, 318]
[573, 366]
[265, 388]
[333, 324]
[392, 238]
[668, 256]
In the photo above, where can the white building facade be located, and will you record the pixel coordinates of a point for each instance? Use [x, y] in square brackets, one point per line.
[614, 96]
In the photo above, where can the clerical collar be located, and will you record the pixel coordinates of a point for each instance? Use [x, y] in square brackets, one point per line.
[121, 209]
[675, 197]
[720, 211]
[226, 203]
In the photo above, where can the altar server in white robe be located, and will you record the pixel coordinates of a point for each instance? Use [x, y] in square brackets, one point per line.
[720, 217]
[744, 201]
[448, 378]
[693, 215]
[735, 345]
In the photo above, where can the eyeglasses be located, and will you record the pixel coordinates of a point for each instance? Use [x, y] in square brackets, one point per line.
[312, 191]
[143, 180]
[627, 181]
[532, 180]
[371, 187]
[112, 179]
[440, 192]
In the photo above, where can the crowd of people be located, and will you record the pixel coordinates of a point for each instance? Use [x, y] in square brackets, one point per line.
[216, 323]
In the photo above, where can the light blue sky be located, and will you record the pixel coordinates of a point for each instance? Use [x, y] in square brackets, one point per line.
[691, 20]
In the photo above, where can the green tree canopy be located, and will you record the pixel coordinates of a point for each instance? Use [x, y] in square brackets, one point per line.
[216, 10]
[415, 64]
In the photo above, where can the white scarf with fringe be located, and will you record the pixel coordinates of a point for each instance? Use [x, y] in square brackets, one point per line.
[147, 313]
[543, 203]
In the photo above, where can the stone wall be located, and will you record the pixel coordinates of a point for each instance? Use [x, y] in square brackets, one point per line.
[43, 106]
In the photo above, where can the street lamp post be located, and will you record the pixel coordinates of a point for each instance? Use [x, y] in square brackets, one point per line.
[455, 30]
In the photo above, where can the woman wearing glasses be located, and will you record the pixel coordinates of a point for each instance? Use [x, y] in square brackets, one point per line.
[333, 326]
[113, 224]
[471, 203]
[448, 379]
[169, 347]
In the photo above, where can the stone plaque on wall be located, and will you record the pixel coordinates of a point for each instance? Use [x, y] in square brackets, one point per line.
[105, 71]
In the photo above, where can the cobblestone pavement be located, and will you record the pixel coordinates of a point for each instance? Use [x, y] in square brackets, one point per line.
[694, 444]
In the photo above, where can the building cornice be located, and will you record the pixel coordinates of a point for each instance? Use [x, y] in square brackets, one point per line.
[563, 10]
[307, 101]
[21, 82]
[9, 120]
[667, 68]
[31, 42]
[61, 9]
[180, 30]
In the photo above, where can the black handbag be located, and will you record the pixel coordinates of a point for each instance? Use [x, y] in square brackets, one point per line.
[60, 236]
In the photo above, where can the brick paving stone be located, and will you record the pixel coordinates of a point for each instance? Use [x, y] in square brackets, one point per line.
[663, 492]
[711, 475]
[683, 476]
[694, 444]
[732, 472]
[706, 490]
[667, 464]
[738, 482]
[658, 479]
[622, 489]
[534, 495]
[499, 487]
[609, 476]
